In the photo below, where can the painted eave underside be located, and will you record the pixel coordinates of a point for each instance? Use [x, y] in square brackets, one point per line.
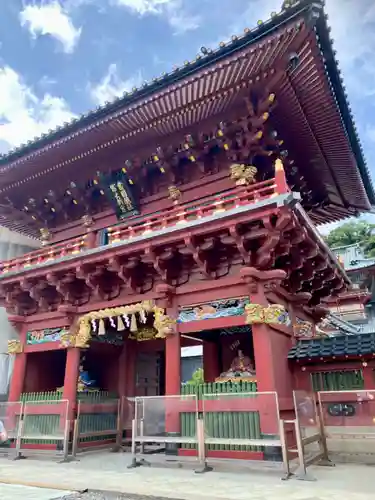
[314, 105]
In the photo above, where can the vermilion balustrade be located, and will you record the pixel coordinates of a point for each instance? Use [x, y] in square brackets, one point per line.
[178, 214]
[188, 212]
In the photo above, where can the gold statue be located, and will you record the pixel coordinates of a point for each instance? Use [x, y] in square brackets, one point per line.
[241, 369]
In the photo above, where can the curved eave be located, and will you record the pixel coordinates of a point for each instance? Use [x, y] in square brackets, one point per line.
[342, 102]
[253, 36]
[305, 9]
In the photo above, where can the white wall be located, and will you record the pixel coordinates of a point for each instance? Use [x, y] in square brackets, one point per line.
[11, 245]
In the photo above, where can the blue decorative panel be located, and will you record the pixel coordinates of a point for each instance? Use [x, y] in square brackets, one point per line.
[47, 335]
[213, 310]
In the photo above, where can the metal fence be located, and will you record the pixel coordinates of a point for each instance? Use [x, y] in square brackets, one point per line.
[46, 424]
[229, 421]
[245, 422]
[10, 418]
[348, 418]
[232, 420]
[157, 422]
[98, 423]
[311, 445]
[208, 426]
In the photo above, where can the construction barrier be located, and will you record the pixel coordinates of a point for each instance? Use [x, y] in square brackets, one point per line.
[228, 423]
[96, 425]
[156, 427]
[311, 445]
[10, 418]
[44, 429]
[127, 409]
[348, 419]
[221, 421]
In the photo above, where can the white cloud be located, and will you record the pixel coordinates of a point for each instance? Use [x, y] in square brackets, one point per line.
[112, 86]
[52, 20]
[142, 7]
[23, 115]
[174, 11]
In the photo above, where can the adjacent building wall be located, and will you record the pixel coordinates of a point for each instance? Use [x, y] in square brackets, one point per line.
[11, 245]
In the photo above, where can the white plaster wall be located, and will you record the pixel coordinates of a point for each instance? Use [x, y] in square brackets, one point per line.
[11, 245]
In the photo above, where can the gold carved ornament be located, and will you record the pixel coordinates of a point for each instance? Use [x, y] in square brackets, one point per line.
[163, 324]
[15, 347]
[271, 315]
[243, 174]
[174, 193]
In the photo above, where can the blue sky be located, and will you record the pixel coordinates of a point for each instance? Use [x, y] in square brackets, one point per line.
[60, 58]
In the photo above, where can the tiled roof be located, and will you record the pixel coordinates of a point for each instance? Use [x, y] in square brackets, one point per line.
[290, 9]
[335, 321]
[362, 344]
[352, 257]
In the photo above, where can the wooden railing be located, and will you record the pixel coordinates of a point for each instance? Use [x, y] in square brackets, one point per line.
[44, 254]
[185, 213]
[175, 216]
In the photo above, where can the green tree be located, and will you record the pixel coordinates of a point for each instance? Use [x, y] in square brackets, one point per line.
[197, 377]
[369, 246]
[354, 232]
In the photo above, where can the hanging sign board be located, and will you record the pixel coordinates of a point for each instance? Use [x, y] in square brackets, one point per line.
[120, 194]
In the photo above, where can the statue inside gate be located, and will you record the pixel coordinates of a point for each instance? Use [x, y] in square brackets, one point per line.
[241, 369]
[85, 382]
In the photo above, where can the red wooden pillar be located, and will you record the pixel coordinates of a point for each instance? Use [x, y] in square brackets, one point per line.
[211, 368]
[122, 372]
[368, 377]
[71, 378]
[280, 178]
[270, 351]
[19, 368]
[172, 361]
[173, 364]
[172, 382]
[131, 361]
[18, 377]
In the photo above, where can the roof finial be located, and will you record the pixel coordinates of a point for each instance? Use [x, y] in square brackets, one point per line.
[288, 3]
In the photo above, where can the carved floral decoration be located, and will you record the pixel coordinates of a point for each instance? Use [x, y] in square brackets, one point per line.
[274, 314]
[303, 328]
[45, 235]
[243, 174]
[14, 347]
[174, 193]
[132, 317]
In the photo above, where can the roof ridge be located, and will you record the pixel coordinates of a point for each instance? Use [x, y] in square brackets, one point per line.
[345, 246]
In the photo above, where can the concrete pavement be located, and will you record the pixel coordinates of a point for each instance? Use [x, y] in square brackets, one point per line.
[108, 471]
[17, 492]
